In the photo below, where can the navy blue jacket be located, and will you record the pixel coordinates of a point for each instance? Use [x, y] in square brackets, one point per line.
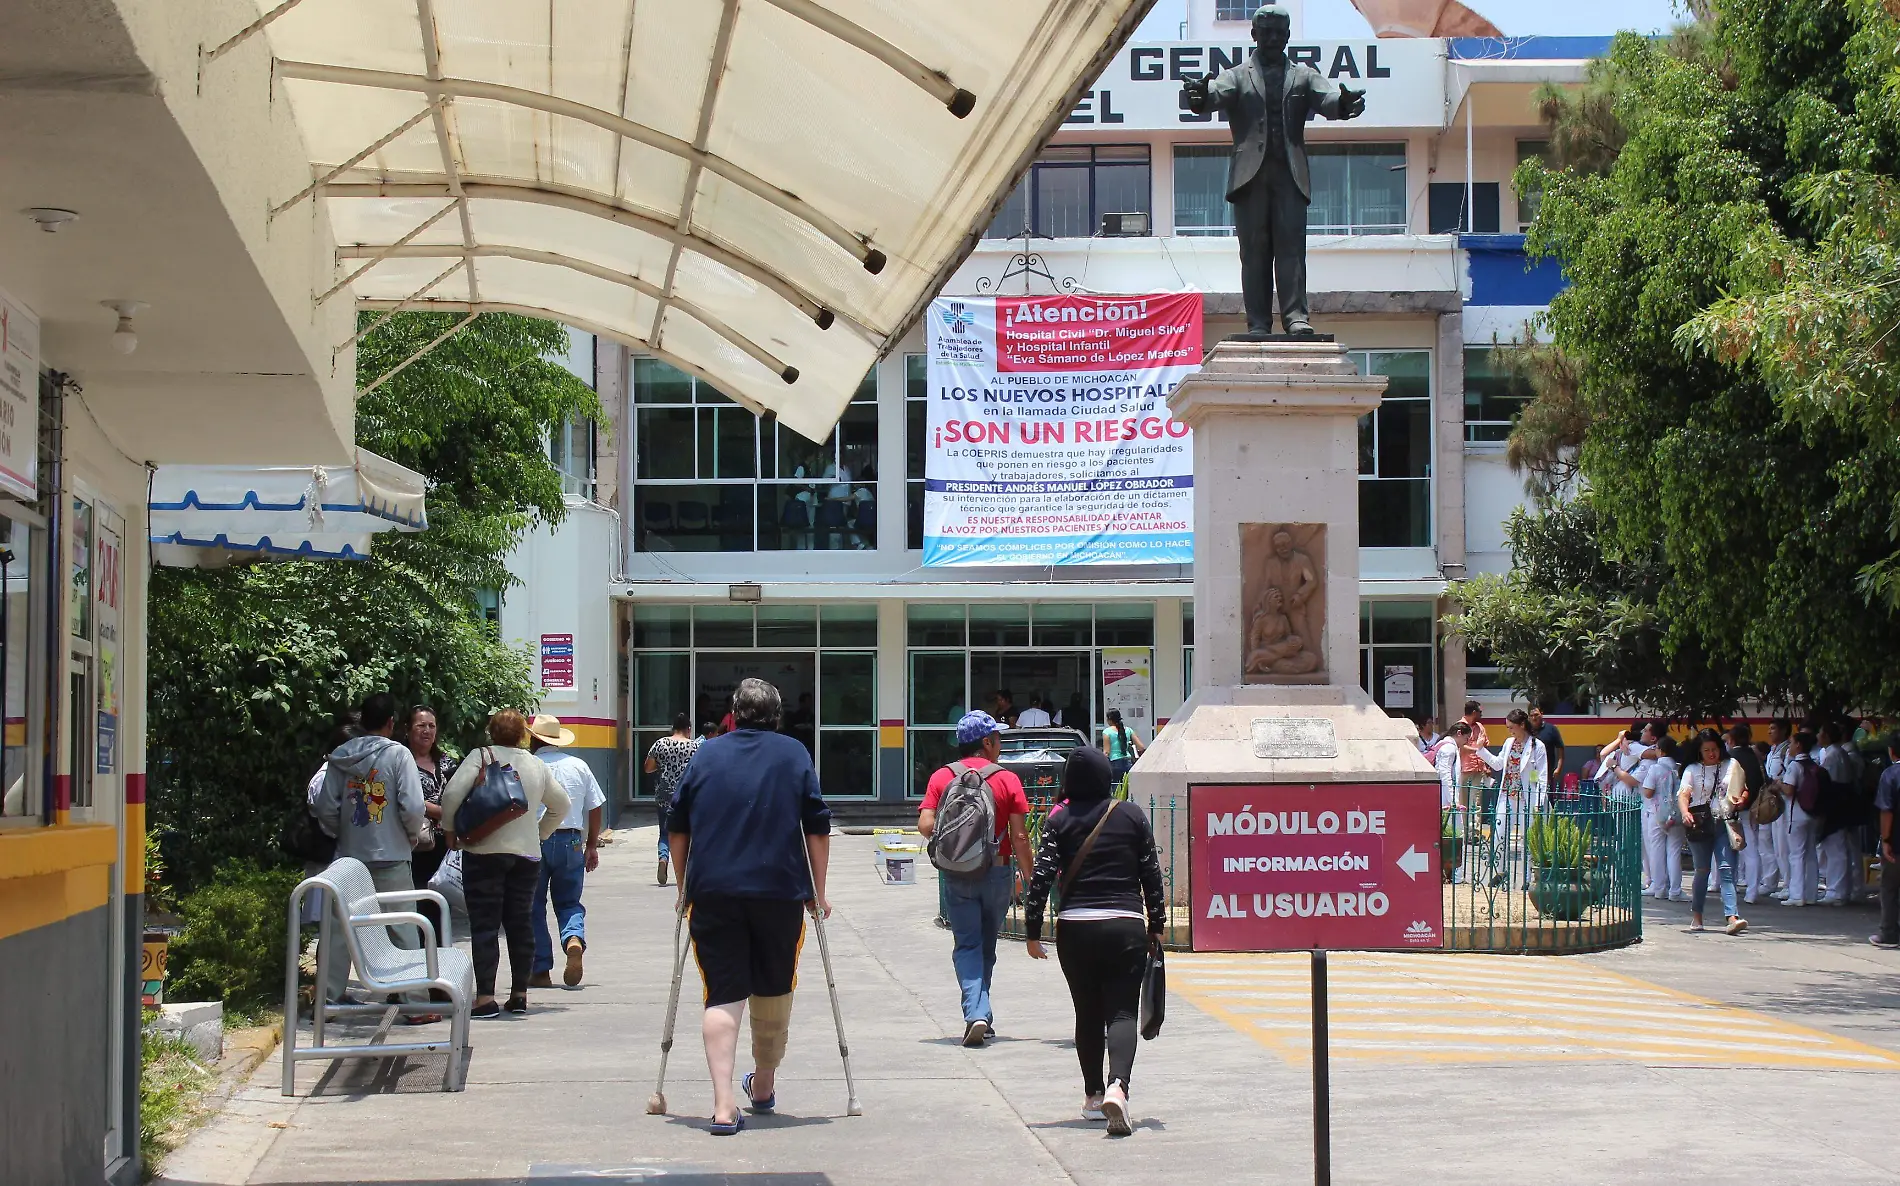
[748, 799]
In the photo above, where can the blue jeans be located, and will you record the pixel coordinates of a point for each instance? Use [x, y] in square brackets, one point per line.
[1716, 846]
[563, 865]
[661, 809]
[976, 909]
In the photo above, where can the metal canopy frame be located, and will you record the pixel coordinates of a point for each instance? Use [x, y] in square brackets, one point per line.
[774, 223]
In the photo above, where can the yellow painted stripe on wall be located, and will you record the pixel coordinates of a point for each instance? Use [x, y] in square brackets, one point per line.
[16, 734]
[32, 852]
[135, 848]
[28, 903]
[595, 736]
[890, 736]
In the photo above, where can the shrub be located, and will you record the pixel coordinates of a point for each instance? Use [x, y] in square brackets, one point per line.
[1556, 842]
[231, 948]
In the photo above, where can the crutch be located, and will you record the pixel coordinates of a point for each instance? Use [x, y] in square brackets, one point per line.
[656, 1103]
[852, 1107]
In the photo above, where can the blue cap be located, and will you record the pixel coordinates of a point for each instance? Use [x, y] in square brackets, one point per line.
[975, 726]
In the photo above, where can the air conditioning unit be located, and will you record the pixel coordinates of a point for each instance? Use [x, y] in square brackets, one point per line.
[1125, 226]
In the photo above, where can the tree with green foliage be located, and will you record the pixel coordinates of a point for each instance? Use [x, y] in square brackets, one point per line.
[251, 664]
[1740, 501]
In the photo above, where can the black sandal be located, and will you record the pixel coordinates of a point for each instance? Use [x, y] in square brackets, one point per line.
[517, 1005]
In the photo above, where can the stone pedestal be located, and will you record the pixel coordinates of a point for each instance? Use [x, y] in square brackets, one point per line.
[1276, 451]
[1276, 590]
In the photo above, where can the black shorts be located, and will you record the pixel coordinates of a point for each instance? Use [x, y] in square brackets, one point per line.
[746, 947]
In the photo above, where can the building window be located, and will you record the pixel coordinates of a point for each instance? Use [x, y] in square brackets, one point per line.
[1446, 212]
[1234, 10]
[1358, 189]
[1395, 452]
[1398, 656]
[1482, 673]
[571, 452]
[1201, 207]
[961, 656]
[916, 433]
[710, 476]
[823, 659]
[1494, 396]
[1071, 186]
[22, 549]
[1531, 200]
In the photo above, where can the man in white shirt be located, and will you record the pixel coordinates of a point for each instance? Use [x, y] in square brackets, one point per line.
[567, 856]
[1036, 716]
[1839, 849]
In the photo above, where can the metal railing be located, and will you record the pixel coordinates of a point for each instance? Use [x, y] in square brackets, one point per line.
[1565, 878]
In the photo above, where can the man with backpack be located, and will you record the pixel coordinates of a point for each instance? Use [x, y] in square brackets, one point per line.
[1803, 776]
[969, 808]
[1839, 832]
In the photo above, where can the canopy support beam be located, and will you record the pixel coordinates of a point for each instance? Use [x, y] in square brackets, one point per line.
[646, 223]
[934, 82]
[444, 336]
[709, 96]
[557, 260]
[634, 341]
[398, 307]
[858, 245]
[427, 110]
[383, 253]
[432, 62]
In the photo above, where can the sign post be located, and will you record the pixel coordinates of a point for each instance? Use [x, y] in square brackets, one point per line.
[1315, 867]
[1322, 1078]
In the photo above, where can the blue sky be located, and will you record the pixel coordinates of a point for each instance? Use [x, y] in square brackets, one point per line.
[1337, 19]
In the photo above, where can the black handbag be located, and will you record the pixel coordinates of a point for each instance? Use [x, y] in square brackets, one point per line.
[496, 799]
[1154, 992]
[305, 840]
[1701, 822]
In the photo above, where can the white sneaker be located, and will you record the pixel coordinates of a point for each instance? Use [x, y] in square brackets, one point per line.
[975, 1032]
[1793, 902]
[1092, 1109]
[1115, 1110]
[1678, 897]
[1780, 895]
[1749, 898]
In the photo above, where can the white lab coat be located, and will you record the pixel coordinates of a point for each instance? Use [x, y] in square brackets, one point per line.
[1662, 847]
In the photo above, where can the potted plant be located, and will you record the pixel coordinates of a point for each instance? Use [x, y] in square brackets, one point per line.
[1557, 846]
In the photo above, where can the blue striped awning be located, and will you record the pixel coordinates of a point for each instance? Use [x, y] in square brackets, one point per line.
[206, 516]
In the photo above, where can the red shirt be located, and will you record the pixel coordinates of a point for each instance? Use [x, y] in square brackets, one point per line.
[1004, 786]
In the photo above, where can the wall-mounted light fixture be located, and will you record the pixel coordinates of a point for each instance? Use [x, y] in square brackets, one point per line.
[50, 218]
[124, 339]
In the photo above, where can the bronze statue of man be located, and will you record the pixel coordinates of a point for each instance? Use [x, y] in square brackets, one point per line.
[1268, 101]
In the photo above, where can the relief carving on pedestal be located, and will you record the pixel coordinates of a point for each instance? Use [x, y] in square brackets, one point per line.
[1283, 602]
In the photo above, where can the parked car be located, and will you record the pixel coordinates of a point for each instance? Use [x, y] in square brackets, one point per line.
[1037, 755]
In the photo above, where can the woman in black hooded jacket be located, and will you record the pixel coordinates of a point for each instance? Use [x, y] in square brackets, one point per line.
[1111, 912]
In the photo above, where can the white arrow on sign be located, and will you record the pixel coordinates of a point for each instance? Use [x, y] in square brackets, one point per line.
[1414, 862]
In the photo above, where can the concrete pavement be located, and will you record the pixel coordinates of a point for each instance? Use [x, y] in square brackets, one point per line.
[1525, 1097]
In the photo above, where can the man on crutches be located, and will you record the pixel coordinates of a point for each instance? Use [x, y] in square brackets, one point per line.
[749, 814]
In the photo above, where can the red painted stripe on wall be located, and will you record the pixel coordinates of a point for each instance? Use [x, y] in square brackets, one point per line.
[896, 723]
[135, 788]
[609, 722]
[62, 792]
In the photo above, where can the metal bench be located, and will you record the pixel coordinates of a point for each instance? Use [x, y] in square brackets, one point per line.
[363, 917]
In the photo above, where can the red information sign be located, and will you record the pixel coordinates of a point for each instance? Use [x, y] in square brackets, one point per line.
[1300, 867]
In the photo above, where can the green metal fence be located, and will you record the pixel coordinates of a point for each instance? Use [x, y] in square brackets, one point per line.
[1564, 879]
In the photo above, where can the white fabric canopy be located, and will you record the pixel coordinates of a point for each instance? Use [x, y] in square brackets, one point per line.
[763, 192]
[205, 516]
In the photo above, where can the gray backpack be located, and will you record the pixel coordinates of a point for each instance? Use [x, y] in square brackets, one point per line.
[964, 842]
